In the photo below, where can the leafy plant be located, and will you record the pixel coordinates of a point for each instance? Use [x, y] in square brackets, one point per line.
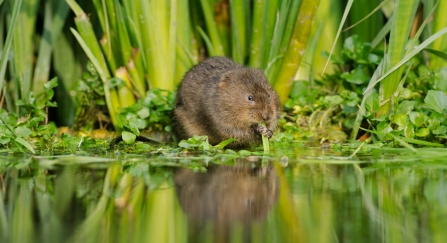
[31, 123]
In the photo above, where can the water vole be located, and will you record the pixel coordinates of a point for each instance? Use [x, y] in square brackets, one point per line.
[222, 99]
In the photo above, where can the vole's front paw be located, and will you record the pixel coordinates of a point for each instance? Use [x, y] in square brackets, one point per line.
[263, 130]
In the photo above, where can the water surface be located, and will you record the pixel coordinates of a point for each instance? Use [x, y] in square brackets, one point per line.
[307, 195]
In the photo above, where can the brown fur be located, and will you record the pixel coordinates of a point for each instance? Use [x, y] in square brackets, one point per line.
[212, 100]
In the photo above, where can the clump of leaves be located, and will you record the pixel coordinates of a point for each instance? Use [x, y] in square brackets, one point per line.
[412, 120]
[153, 113]
[17, 129]
[326, 109]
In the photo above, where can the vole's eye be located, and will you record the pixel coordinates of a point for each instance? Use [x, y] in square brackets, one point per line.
[250, 98]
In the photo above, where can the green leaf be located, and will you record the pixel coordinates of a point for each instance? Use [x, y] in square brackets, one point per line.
[25, 144]
[357, 76]
[436, 100]
[441, 79]
[417, 118]
[409, 131]
[423, 132]
[372, 103]
[384, 129]
[184, 144]
[405, 107]
[128, 137]
[435, 120]
[224, 143]
[196, 141]
[22, 131]
[400, 119]
[440, 130]
[4, 140]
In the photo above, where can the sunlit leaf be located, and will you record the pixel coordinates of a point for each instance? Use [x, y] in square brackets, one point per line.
[25, 144]
[128, 137]
[436, 100]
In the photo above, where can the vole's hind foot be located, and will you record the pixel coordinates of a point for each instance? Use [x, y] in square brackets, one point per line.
[264, 131]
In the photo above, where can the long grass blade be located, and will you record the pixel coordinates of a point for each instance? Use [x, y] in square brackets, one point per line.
[410, 55]
[238, 30]
[439, 21]
[340, 28]
[7, 47]
[296, 48]
[53, 24]
[368, 15]
[404, 13]
[285, 21]
[257, 34]
[23, 50]
[208, 11]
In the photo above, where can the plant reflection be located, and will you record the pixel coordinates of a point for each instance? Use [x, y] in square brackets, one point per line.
[239, 201]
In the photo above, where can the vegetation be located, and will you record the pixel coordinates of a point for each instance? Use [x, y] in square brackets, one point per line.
[118, 64]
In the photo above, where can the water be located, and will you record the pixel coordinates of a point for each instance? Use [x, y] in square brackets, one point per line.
[310, 195]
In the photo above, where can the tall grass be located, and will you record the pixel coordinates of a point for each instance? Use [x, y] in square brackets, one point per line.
[142, 45]
[273, 36]
[439, 22]
[404, 13]
[6, 48]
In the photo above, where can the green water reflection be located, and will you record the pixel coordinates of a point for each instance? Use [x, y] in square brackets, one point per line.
[237, 201]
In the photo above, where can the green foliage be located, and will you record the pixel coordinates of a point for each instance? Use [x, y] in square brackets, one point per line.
[153, 112]
[201, 143]
[320, 108]
[18, 129]
[327, 106]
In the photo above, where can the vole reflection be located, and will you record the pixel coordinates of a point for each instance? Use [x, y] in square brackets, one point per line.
[226, 196]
